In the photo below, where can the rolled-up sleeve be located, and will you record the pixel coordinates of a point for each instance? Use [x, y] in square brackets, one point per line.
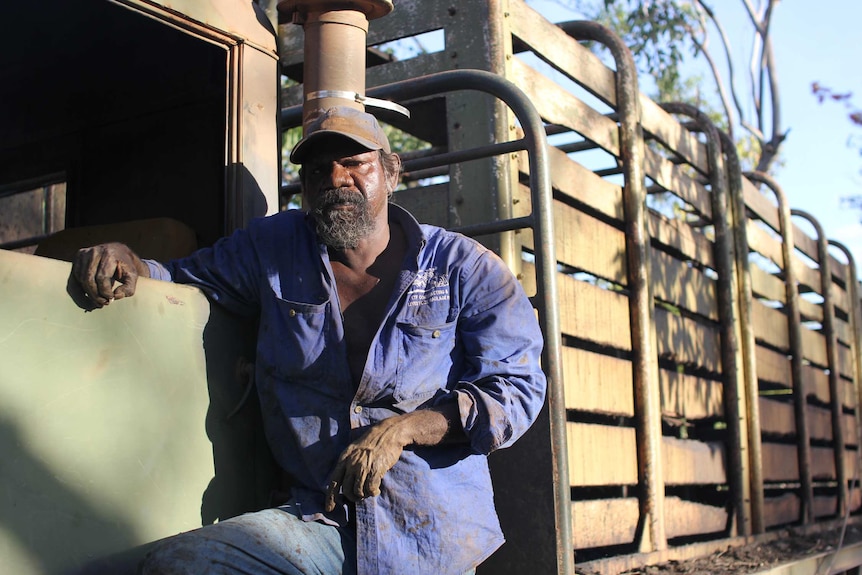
[503, 387]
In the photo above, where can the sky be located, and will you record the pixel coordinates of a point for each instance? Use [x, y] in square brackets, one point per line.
[812, 42]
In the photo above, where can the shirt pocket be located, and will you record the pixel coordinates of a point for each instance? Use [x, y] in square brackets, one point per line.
[424, 359]
[295, 340]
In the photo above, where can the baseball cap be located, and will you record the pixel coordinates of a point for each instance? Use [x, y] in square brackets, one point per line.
[361, 127]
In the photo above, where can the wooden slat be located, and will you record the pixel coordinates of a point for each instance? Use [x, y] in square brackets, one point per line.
[601, 455]
[691, 462]
[604, 522]
[816, 383]
[770, 325]
[684, 341]
[684, 518]
[683, 285]
[848, 394]
[673, 178]
[779, 462]
[583, 67]
[407, 69]
[764, 243]
[690, 397]
[805, 243]
[577, 182]
[806, 275]
[810, 311]
[411, 18]
[819, 423]
[763, 204]
[848, 423]
[597, 383]
[814, 347]
[593, 313]
[772, 367]
[781, 510]
[825, 505]
[766, 285]
[840, 299]
[680, 237]
[776, 417]
[851, 463]
[822, 463]
[558, 106]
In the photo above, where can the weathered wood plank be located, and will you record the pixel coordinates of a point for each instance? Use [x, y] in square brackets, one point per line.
[411, 18]
[691, 397]
[848, 393]
[763, 204]
[776, 417]
[822, 463]
[806, 276]
[572, 179]
[407, 69]
[681, 237]
[684, 341]
[604, 522]
[825, 506]
[691, 462]
[558, 106]
[816, 383]
[819, 423]
[814, 347]
[597, 383]
[810, 311]
[767, 286]
[764, 243]
[601, 455]
[851, 437]
[683, 285]
[770, 325]
[773, 367]
[781, 510]
[593, 313]
[575, 61]
[673, 178]
[684, 518]
[805, 243]
[779, 462]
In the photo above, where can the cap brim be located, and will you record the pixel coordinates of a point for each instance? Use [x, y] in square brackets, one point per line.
[297, 155]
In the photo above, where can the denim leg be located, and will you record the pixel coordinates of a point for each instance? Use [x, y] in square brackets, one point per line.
[269, 542]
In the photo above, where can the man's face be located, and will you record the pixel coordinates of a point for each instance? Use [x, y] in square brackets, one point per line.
[346, 191]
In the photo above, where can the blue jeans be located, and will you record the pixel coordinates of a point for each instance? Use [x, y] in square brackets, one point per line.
[269, 542]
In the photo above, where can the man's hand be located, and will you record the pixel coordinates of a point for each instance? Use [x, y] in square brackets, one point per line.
[361, 467]
[98, 267]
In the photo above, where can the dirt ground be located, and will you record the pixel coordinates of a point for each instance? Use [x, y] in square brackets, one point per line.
[753, 558]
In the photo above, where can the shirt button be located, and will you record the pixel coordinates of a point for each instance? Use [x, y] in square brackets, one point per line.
[292, 313]
[357, 409]
[435, 333]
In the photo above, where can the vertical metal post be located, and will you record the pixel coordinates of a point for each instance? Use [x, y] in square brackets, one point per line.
[746, 330]
[855, 349]
[831, 335]
[641, 302]
[731, 364]
[794, 325]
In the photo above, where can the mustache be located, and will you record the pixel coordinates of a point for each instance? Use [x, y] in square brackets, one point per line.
[340, 196]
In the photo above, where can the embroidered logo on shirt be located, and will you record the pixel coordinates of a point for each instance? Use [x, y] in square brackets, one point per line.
[429, 286]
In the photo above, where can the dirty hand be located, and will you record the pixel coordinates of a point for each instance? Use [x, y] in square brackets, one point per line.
[363, 464]
[98, 267]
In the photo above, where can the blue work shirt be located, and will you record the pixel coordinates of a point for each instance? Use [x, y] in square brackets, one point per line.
[458, 327]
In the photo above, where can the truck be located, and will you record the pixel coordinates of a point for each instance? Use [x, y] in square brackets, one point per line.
[702, 338]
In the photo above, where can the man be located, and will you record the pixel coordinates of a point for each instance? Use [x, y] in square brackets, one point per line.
[392, 358]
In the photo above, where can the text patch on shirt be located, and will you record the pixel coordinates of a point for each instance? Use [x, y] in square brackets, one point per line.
[428, 286]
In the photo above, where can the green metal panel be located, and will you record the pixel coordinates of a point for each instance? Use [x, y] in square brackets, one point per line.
[113, 421]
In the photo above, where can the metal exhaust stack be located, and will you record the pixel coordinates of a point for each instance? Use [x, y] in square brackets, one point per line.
[334, 47]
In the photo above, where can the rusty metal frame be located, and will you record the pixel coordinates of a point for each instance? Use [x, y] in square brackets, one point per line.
[746, 331]
[852, 286]
[794, 325]
[652, 534]
[831, 356]
[542, 222]
[731, 364]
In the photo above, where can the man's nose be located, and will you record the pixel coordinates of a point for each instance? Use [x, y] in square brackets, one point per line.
[340, 176]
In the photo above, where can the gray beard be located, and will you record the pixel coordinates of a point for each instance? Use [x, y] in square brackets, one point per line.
[341, 229]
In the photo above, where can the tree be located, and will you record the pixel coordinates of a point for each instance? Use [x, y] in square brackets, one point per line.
[663, 34]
